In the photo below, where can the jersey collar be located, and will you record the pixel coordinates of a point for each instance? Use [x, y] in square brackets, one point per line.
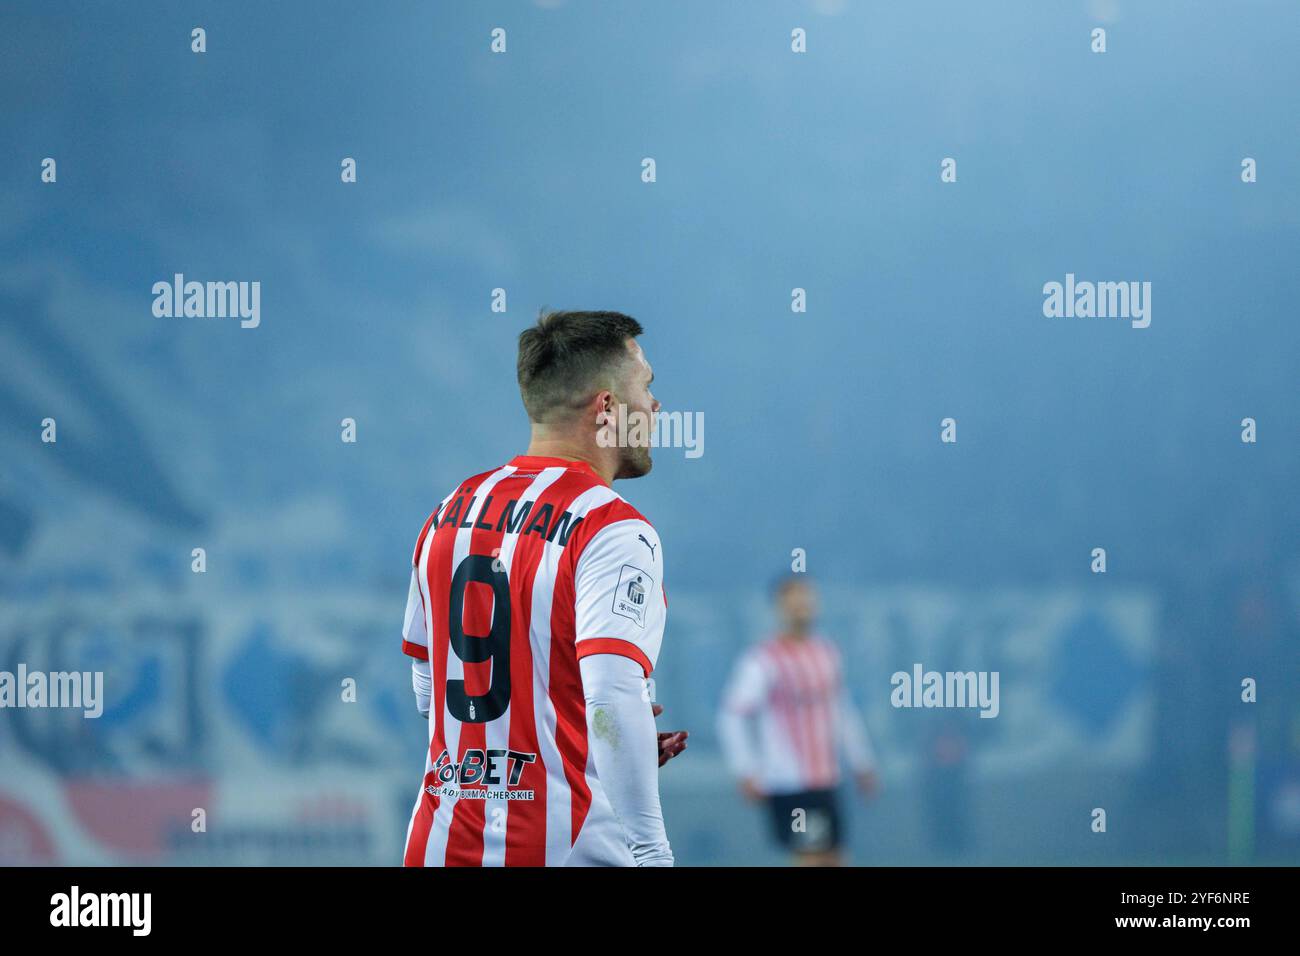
[541, 461]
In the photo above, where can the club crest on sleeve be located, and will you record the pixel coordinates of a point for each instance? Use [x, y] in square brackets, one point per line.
[630, 597]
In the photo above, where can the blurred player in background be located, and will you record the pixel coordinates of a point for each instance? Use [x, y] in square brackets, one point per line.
[791, 689]
[535, 615]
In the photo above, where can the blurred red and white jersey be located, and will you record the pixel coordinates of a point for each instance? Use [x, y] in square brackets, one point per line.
[792, 693]
[520, 572]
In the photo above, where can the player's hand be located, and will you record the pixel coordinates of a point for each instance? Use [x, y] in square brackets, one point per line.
[750, 789]
[868, 783]
[671, 743]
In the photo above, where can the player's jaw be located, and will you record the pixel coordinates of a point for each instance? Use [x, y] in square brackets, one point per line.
[634, 462]
[634, 459]
[638, 404]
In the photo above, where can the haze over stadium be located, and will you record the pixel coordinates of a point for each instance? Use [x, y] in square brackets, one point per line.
[223, 524]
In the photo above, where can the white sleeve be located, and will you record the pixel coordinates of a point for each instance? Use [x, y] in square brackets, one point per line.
[422, 684]
[624, 750]
[414, 639]
[618, 594]
[745, 693]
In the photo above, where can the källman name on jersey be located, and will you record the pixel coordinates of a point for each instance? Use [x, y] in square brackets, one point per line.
[511, 519]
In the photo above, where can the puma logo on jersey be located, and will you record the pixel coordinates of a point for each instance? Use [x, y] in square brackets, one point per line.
[642, 539]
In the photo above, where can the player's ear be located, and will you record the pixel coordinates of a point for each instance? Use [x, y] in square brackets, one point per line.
[604, 406]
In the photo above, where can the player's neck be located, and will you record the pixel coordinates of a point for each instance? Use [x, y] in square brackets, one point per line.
[562, 446]
[796, 634]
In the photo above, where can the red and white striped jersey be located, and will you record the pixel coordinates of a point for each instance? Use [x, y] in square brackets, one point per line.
[520, 572]
[794, 691]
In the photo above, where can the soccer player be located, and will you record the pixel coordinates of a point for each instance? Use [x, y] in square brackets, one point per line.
[535, 615]
[792, 686]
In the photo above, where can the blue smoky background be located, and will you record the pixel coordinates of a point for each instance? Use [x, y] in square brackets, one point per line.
[184, 443]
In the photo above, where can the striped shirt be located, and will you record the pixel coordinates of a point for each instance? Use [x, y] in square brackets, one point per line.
[519, 573]
[794, 691]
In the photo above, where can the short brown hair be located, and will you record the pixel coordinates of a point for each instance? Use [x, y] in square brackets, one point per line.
[567, 356]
